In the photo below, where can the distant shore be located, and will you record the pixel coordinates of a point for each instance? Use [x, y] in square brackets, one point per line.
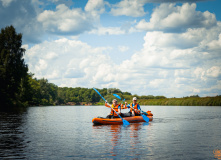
[187, 101]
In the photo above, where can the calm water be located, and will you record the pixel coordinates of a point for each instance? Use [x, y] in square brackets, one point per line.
[66, 132]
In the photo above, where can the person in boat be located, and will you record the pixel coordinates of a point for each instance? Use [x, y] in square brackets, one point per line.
[135, 109]
[117, 107]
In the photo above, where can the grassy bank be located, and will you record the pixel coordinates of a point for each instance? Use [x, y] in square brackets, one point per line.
[189, 101]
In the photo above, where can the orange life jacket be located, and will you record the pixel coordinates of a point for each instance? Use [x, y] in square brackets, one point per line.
[135, 108]
[114, 107]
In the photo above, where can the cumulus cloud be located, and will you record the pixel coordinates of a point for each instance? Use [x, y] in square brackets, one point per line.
[215, 44]
[96, 7]
[172, 18]
[214, 71]
[64, 20]
[132, 8]
[168, 59]
[72, 62]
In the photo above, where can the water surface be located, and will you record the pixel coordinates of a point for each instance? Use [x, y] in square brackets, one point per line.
[66, 132]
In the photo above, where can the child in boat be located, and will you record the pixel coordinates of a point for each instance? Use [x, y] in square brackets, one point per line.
[117, 107]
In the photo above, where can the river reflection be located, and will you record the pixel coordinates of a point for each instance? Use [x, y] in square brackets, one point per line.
[60, 132]
[124, 139]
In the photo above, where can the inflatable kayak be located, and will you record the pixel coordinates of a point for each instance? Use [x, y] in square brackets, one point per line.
[113, 121]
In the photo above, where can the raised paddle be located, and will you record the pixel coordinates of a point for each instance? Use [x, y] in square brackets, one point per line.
[124, 121]
[144, 116]
[118, 97]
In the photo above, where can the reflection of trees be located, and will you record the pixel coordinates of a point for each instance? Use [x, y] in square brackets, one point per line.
[11, 136]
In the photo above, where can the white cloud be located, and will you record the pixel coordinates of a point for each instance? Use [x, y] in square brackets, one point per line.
[169, 17]
[214, 71]
[70, 61]
[215, 44]
[96, 7]
[41, 65]
[132, 8]
[196, 90]
[156, 82]
[51, 55]
[64, 20]
[199, 73]
[178, 64]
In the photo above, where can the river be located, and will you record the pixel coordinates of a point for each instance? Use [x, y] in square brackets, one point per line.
[66, 132]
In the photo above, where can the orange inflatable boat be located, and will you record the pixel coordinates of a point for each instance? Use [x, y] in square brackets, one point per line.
[113, 121]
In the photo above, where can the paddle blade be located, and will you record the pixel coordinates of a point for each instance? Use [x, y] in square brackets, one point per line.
[99, 94]
[125, 122]
[145, 118]
[117, 96]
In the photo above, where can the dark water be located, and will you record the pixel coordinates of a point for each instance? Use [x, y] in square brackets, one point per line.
[66, 132]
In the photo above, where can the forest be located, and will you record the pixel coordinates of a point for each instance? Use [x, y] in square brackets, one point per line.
[19, 88]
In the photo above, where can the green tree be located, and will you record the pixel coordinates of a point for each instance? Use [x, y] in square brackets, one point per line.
[48, 92]
[13, 70]
[114, 90]
[126, 93]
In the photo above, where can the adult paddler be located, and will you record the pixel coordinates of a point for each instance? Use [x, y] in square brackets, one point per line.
[134, 107]
[116, 107]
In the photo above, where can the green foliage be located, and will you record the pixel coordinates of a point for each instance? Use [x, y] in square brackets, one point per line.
[113, 90]
[13, 70]
[78, 95]
[127, 93]
[43, 92]
[187, 101]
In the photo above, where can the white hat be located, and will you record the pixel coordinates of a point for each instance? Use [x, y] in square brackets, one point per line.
[135, 98]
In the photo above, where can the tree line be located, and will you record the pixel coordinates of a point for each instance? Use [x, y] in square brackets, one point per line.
[18, 87]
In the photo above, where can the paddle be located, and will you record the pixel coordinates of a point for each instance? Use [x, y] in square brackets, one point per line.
[144, 116]
[124, 121]
[118, 97]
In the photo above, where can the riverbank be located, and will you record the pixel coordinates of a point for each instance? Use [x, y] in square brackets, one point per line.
[187, 101]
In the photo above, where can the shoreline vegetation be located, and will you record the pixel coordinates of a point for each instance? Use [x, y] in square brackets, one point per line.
[19, 88]
[186, 101]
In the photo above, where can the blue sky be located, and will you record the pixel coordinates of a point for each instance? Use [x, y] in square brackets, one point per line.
[146, 47]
